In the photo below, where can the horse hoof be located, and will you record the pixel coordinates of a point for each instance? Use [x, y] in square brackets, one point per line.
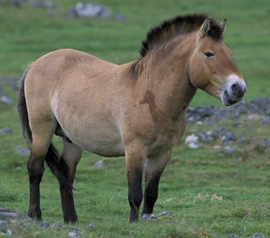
[70, 219]
[35, 214]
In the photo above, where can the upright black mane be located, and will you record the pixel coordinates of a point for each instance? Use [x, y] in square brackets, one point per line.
[178, 26]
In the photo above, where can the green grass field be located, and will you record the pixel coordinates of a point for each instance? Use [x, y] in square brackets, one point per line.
[210, 195]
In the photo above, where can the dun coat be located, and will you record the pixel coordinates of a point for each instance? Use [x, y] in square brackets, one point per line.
[136, 110]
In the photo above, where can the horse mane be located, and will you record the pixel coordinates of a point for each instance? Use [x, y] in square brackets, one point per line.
[179, 25]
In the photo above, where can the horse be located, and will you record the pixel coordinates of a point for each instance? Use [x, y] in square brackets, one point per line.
[136, 110]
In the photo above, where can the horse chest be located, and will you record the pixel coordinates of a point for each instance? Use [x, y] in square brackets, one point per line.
[165, 140]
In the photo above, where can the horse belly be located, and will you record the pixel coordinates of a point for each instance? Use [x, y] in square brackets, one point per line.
[100, 138]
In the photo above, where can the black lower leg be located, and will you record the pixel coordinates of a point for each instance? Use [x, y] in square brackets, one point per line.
[35, 172]
[150, 193]
[68, 207]
[134, 193]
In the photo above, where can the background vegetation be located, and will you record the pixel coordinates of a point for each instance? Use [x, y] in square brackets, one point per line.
[208, 194]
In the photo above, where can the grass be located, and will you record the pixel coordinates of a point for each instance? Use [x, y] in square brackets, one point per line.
[210, 195]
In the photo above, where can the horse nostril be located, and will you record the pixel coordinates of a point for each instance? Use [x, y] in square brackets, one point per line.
[238, 90]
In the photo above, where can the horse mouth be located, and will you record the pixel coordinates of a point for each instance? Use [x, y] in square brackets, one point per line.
[227, 101]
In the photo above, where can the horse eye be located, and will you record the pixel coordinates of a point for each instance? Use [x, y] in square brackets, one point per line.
[209, 54]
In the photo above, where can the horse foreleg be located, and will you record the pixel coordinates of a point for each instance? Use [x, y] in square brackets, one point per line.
[154, 169]
[71, 156]
[134, 163]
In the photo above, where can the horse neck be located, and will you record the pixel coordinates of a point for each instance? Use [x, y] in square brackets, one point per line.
[164, 75]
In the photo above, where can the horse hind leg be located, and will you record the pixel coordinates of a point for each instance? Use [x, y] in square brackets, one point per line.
[41, 140]
[70, 157]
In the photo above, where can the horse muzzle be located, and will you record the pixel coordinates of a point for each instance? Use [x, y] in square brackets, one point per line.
[234, 90]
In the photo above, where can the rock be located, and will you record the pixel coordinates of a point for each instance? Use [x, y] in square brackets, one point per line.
[89, 10]
[5, 130]
[22, 151]
[120, 17]
[194, 145]
[6, 100]
[148, 217]
[74, 234]
[258, 236]
[164, 214]
[16, 3]
[253, 117]
[192, 141]
[206, 136]
[91, 227]
[216, 147]
[7, 215]
[217, 133]
[242, 139]
[228, 150]
[57, 225]
[45, 224]
[265, 144]
[98, 164]
[265, 120]
[191, 138]
[211, 114]
[75, 228]
[233, 236]
[42, 3]
[227, 137]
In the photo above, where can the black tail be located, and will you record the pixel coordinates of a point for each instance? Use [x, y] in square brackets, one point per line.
[57, 165]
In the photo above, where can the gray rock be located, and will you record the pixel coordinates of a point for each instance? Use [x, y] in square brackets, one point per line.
[57, 225]
[89, 10]
[258, 236]
[191, 139]
[164, 214]
[233, 236]
[42, 3]
[16, 3]
[91, 227]
[148, 217]
[7, 215]
[242, 139]
[3, 227]
[211, 114]
[74, 234]
[218, 132]
[206, 136]
[22, 151]
[194, 145]
[5, 130]
[265, 120]
[120, 17]
[265, 144]
[253, 117]
[45, 224]
[6, 100]
[75, 228]
[227, 137]
[228, 150]
[98, 164]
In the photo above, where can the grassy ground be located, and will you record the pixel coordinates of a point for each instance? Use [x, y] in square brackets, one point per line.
[208, 194]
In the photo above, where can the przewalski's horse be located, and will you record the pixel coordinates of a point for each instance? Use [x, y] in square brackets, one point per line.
[136, 110]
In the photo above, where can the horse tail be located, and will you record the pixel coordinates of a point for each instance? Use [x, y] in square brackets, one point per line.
[57, 166]
[22, 109]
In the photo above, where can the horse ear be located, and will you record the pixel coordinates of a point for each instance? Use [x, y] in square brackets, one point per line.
[205, 27]
[223, 25]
